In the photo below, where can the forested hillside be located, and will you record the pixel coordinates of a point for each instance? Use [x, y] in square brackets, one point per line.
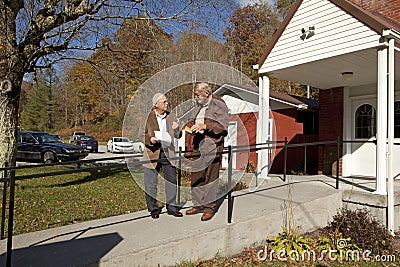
[92, 94]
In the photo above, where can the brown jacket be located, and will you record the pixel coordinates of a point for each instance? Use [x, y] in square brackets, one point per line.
[152, 151]
[216, 120]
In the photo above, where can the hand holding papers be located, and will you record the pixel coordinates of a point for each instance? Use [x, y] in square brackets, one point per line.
[163, 137]
[187, 127]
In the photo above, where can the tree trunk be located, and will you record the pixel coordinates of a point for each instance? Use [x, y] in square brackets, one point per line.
[11, 75]
[9, 99]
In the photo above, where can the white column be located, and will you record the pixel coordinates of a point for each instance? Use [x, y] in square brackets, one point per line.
[390, 189]
[263, 117]
[259, 125]
[347, 130]
[381, 123]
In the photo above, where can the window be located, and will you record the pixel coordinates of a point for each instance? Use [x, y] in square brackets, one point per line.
[27, 138]
[397, 119]
[365, 121]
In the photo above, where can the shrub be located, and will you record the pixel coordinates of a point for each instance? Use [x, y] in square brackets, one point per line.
[363, 229]
[336, 245]
[289, 241]
[250, 168]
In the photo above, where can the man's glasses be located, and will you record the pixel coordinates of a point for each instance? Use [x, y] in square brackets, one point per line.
[196, 95]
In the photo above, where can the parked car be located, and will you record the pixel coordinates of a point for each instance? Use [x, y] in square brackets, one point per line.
[88, 142]
[138, 146]
[124, 145]
[57, 137]
[42, 147]
[75, 136]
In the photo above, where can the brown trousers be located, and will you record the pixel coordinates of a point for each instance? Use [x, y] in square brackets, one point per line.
[204, 180]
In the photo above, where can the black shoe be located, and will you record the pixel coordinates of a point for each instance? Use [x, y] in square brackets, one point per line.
[155, 214]
[175, 213]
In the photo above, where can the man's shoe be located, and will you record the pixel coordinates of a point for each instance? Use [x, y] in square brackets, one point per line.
[193, 211]
[155, 214]
[207, 216]
[175, 213]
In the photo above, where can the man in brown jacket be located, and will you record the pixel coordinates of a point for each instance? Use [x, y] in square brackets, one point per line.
[210, 125]
[161, 127]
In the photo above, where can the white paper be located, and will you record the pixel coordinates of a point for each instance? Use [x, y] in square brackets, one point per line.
[164, 137]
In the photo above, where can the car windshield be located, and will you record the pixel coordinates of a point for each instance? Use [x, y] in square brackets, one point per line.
[121, 139]
[44, 138]
[56, 136]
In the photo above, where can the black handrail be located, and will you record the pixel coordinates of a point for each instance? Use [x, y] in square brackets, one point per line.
[230, 200]
[10, 178]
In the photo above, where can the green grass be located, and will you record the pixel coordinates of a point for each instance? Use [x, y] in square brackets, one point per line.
[47, 202]
[54, 201]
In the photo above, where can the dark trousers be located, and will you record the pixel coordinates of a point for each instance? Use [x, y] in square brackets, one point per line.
[151, 180]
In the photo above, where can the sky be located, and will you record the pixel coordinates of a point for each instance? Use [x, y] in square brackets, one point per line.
[243, 3]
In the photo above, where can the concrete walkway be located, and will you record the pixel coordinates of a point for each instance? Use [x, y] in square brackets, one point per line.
[138, 240]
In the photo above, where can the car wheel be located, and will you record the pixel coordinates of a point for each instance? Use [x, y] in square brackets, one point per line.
[48, 157]
[140, 149]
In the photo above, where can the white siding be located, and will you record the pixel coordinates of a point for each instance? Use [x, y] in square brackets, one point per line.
[239, 106]
[336, 33]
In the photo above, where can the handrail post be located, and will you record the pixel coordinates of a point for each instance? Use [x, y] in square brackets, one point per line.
[179, 174]
[337, 162]
[284, 159]
[230, 206]
[10, 218]
[4, 202]
[305, 159]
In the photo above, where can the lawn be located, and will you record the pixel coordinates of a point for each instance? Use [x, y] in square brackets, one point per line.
[47, 202]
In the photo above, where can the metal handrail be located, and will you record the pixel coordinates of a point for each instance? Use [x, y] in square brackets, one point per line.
[10, 178]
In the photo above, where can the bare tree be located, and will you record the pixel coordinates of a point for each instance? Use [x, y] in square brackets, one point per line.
[39, 33]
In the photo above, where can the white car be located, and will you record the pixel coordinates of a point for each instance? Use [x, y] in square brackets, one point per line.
[124, 145]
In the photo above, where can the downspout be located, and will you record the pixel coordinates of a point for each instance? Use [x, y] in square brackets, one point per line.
[390, 186]
[381, 129]
[391, 76]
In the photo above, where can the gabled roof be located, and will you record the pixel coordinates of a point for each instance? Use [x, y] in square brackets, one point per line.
[250, 93]
[373, 20]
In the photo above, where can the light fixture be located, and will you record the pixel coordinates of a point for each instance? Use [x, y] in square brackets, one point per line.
[305, 34]
[347, 75]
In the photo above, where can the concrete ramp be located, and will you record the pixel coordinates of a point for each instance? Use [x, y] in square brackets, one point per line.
[138, 240]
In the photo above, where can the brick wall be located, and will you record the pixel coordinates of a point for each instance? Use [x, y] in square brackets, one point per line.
[330, 128]
[246, 134]
[388, 8]
[288, 126]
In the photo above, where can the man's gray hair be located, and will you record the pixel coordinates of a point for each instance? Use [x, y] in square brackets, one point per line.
[204, 87]
[156, 98]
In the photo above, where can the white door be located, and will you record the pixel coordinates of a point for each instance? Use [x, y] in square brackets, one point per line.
[231, 140]
[363, 154]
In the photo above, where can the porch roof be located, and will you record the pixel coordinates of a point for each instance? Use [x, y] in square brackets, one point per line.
[325, 72]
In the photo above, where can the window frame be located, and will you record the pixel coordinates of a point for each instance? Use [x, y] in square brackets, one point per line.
[356, 128]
